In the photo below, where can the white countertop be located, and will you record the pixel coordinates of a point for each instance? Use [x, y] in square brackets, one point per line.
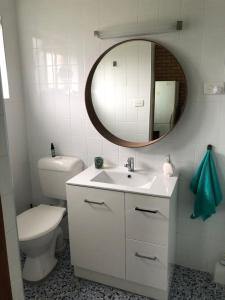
[160, 186]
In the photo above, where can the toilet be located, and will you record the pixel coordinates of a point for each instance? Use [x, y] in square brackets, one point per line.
[39, 227]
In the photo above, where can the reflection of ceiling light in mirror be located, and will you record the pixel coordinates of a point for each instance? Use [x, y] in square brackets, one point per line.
[3, 67]
[142, 29]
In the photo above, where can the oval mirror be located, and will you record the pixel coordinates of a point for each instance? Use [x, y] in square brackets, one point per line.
[135, 93]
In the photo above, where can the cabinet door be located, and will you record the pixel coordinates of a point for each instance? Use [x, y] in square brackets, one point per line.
[147, 218]
[97, 230]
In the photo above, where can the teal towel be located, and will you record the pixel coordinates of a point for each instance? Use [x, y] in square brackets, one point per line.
[205, 185]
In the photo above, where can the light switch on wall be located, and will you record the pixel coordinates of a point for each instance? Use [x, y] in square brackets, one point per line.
[214, 88]
[139, 102]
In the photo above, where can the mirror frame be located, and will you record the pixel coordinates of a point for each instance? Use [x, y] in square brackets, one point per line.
[93, 116]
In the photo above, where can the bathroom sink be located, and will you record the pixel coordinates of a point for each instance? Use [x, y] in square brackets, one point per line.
[141, 181]
[129, 179]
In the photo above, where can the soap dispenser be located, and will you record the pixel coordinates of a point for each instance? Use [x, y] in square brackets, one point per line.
[52, 150]
[168, 168]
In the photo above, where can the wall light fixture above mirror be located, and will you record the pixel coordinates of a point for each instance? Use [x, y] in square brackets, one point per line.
[135, 93]
[135, 30]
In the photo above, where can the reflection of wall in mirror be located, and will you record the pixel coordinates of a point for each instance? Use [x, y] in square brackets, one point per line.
[121, 91]
[166, 95]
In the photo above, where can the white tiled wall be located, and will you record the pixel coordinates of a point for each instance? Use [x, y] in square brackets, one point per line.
[56, 112]
[14, 109]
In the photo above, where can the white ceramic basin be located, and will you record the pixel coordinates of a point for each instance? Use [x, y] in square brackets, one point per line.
[124, 178]
[119, 179]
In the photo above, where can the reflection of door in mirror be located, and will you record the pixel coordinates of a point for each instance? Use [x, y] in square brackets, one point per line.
[122, 90]
[168, 70]
[166, 95]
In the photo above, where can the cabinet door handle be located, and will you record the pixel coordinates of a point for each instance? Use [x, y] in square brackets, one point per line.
[147, 210]
[93, 202]
[146, 257]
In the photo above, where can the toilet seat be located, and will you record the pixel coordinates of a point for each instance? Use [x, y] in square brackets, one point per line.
[38, 221]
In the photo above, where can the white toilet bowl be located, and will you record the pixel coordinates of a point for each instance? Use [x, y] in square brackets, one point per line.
[38, 230]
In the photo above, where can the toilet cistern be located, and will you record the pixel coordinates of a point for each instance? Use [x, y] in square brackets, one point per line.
[130, 164]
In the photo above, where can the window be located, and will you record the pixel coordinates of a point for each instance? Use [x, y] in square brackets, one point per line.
[3, 68]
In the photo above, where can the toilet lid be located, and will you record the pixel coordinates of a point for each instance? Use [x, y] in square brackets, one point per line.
[38, 221]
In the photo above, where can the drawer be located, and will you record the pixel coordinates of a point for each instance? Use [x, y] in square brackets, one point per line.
[146, 264]
[147, 218]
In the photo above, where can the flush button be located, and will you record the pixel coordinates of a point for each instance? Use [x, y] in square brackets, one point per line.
[214, 88]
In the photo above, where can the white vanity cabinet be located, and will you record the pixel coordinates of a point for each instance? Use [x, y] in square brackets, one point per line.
[126, 240]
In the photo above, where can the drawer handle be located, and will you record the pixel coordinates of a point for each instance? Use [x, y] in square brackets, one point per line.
[93, 202]
[147, 210]
[145, 257]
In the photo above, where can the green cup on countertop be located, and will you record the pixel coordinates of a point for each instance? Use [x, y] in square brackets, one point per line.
[99, 162]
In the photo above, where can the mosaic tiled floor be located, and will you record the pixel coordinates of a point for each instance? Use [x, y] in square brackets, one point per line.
[62, 285]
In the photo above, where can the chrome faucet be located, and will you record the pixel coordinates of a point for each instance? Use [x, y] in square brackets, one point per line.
[130, 164]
